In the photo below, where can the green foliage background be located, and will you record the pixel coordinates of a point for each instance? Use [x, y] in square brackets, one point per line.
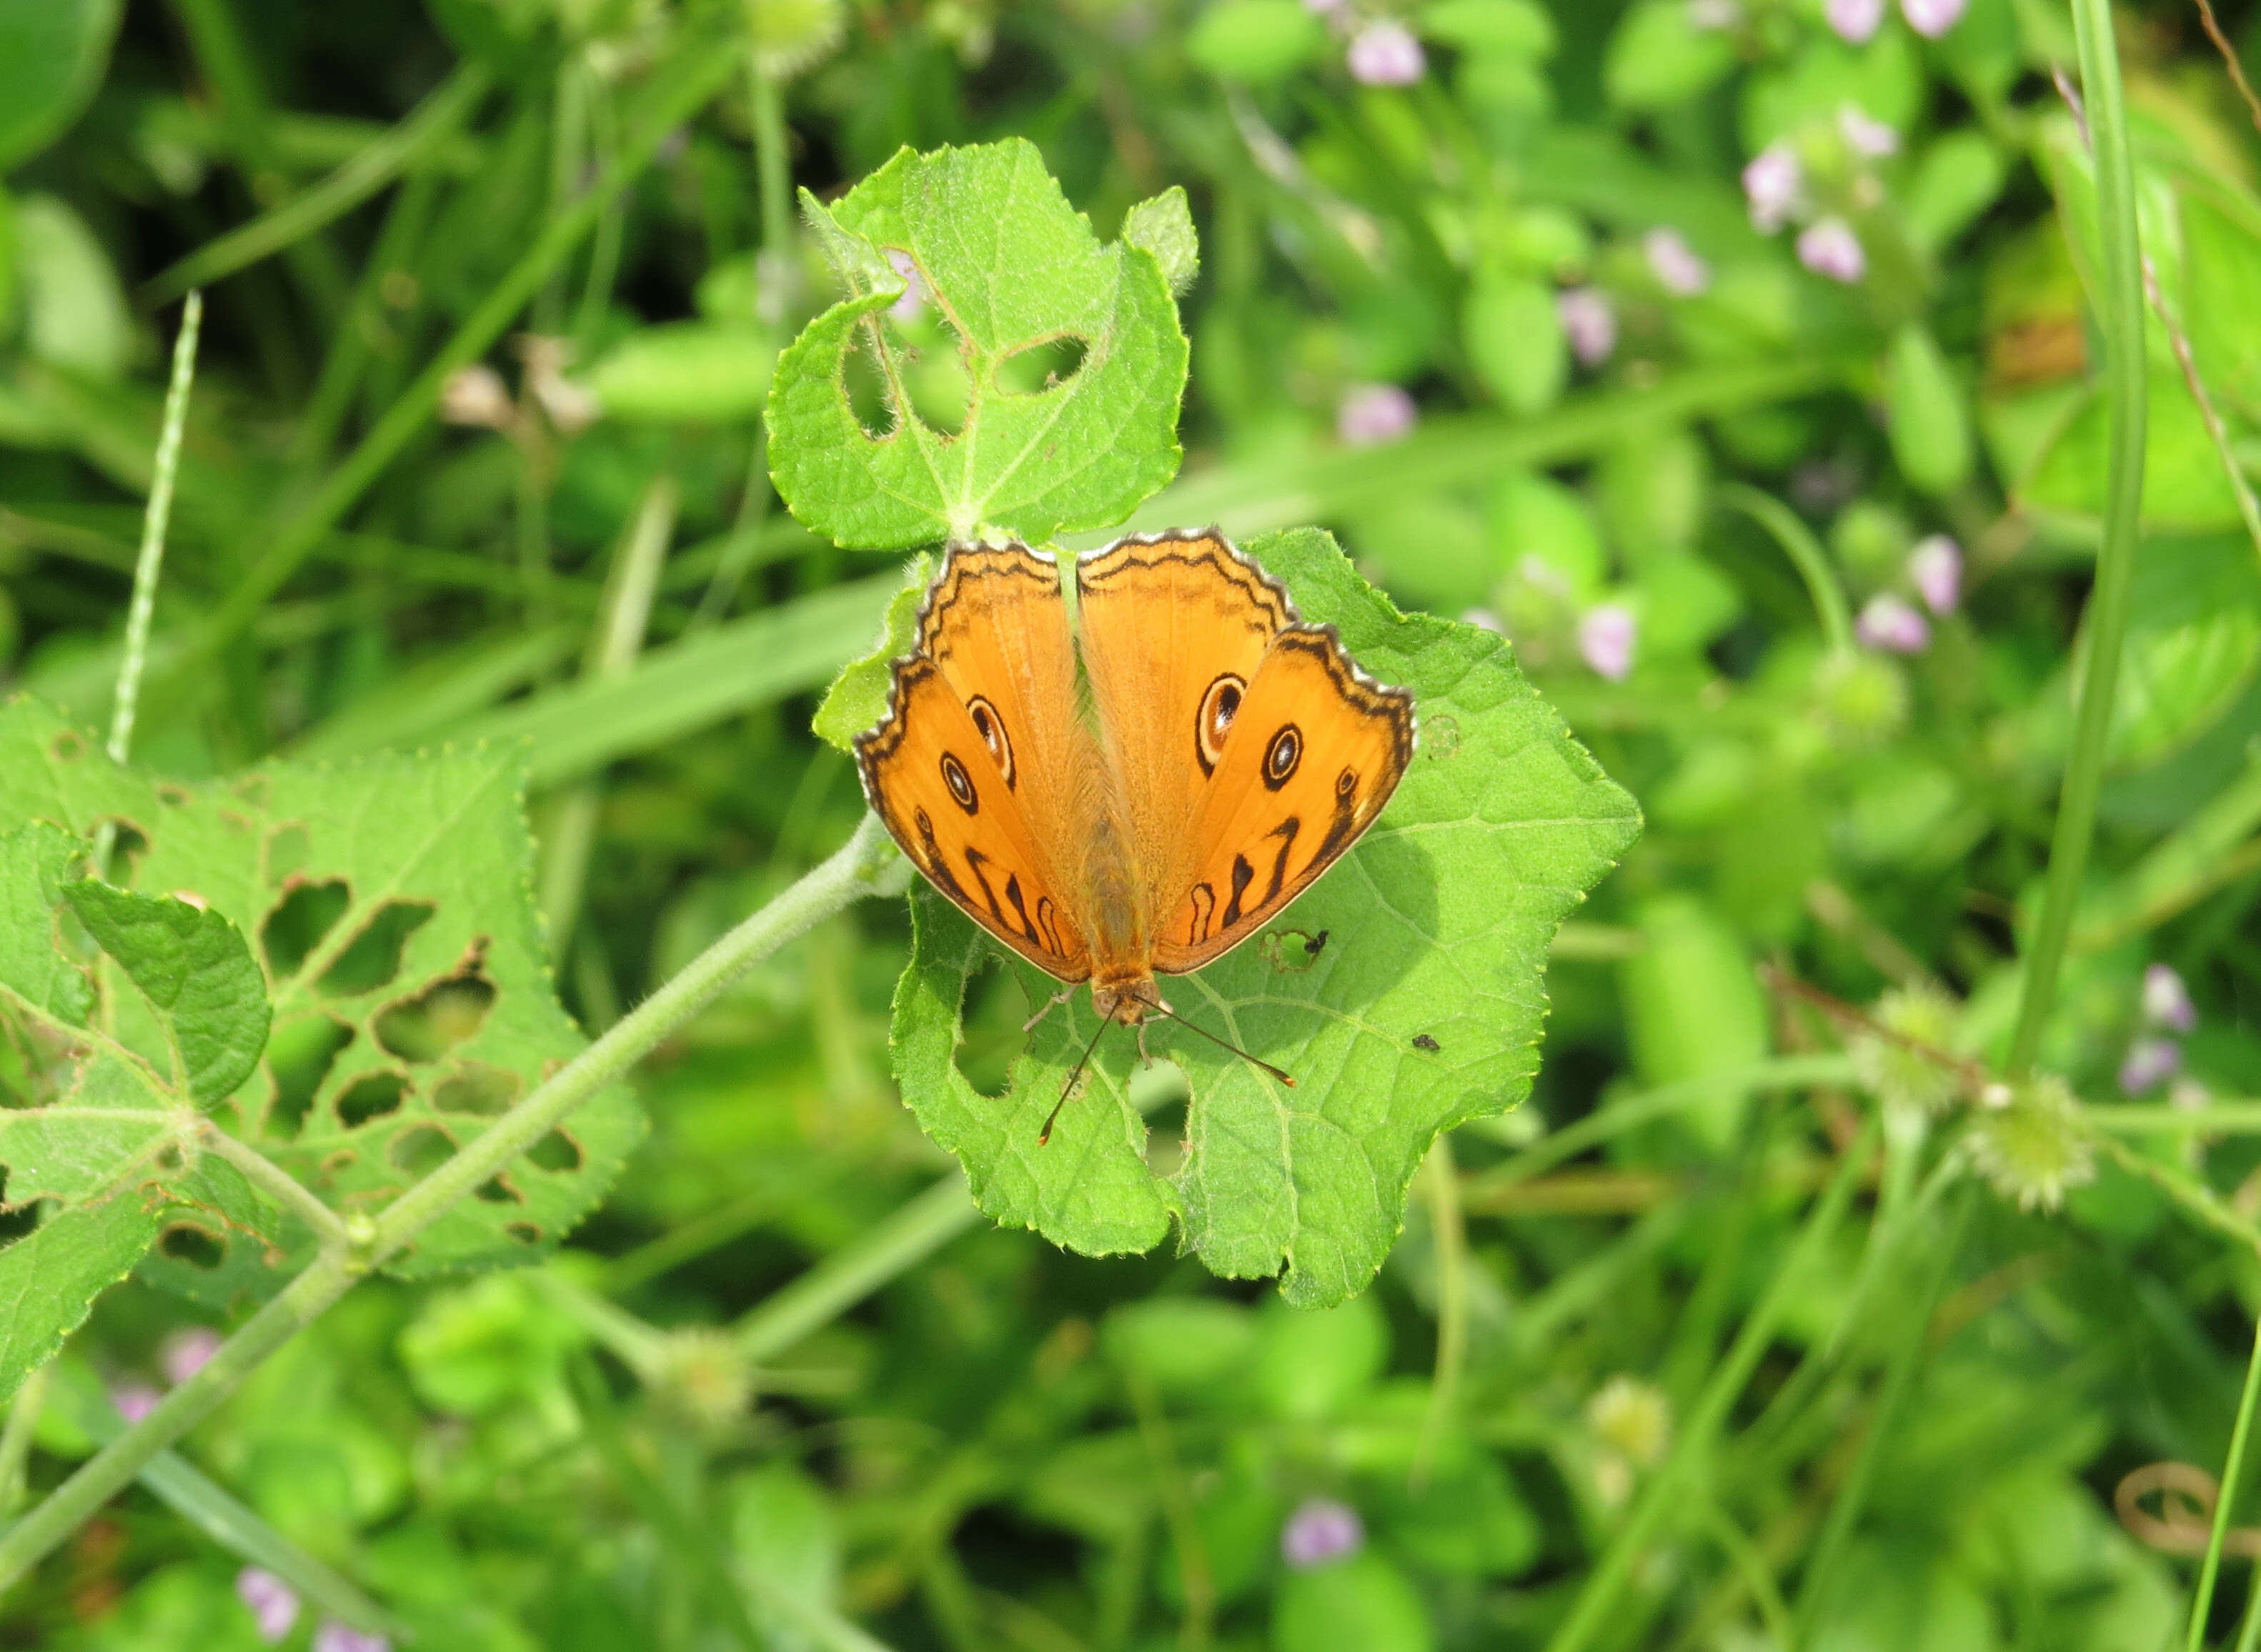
[1746, 1329]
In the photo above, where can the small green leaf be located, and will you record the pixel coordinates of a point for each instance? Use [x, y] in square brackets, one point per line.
[52, 57]
[1437, 928]
[1362, 1603]
[1012, 268]
[1928, 423]
[1255, 41]
[191, 964]
[858, 698]
[1164, 225]
[685, 372]
[35, 860]
[1658, 56]
[1692, 1006]
[50, 1278]
[1514, 337]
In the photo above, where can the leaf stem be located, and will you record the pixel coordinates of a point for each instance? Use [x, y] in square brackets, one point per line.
[288, 1190]
[2120, 321]
[16, 1437]
[2231, 1472]
[866, 864]
[1663, 1495]
[154, 521]
[1449, 1229]
[1797, 542]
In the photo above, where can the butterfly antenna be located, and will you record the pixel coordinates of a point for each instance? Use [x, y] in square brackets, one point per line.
[1068, 1088]
[1223, 1044]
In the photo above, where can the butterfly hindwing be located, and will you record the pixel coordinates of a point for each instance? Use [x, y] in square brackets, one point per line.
[978, 766]
[1313, 754]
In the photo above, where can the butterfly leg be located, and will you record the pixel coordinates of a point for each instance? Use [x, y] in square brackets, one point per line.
[1050, 1004]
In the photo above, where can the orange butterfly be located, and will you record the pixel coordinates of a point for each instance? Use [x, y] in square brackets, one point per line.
[1137, 792]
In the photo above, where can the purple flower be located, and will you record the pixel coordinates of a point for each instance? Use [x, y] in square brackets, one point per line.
[1321, 1531]
[1772, 184]
[1484, 620]
[2150, 1063]
[1829, 247]
[1932, 19]
[1589, 323]
[1864, 136]
[274, 1605]
[1371, 414]
[1935, 566]
[475, 395]
[184, 1353]
[1713, 14]
[1856, 20]
[1892, 625]
[1606, 635]
[2166, 1001]
[1386, 55]
[907, 308]
[337, 1637]
[134, 1400]
[1675, 263]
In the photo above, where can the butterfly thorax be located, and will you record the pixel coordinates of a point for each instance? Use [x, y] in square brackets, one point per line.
[1122, 949]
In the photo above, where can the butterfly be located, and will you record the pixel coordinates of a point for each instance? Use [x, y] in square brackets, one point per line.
[1134, 791]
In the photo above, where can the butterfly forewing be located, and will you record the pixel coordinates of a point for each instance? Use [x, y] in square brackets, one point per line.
[1313, 753]
[982, 765]
[1173, 630]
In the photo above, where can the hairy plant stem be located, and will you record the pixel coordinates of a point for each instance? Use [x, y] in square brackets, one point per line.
[867, 864]
[856, 1270]
[2231, 1470]
[2121, 320]
[1665, 1493]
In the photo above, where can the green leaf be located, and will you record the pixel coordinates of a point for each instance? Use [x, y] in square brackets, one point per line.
[1692, 1007]
[688, 371]
[1658, 56]
[1928, 423]
[34, 862]
[1363, 1604]
[1255, 41]
[52, 57]
[1515, 340]
[50, 1278]
[858, 698]
[191, 964]
[1436, 926]
[1164, 225]
[389, 906]
[1012, 268]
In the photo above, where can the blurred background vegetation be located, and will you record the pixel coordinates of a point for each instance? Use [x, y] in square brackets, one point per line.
[1683, 341]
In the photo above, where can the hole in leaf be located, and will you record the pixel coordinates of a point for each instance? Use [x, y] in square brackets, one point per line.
[989, 1035]
[427, 1026]
[299, 921]
[68, 746]
[495, 1190]
[933, 364]
[373, 956]
[478, 1088]
[524, 1232]
[370, 1097]
[421, 1150]
[186, 1242]
[169, 1158]
[1292, 952]
[129, 844]
[1160, 1093]
[865, 386]
[556, 1151]
[299, 1055]
[1043, 365]
[288, 849]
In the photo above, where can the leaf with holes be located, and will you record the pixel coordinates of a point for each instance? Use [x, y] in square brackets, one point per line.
[191, 964]
[984, 235]
[389, 912]
[1402, 990]
[858, 698]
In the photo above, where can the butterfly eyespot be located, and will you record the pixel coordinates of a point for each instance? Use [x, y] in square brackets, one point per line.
[990, 726]
[1281, 756]
[1345, 783]
[1214, 720]
[960, 784]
